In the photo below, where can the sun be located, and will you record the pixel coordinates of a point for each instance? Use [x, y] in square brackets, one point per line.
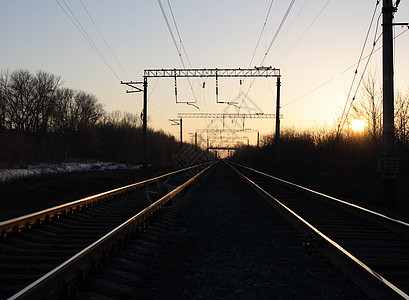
[358, 125]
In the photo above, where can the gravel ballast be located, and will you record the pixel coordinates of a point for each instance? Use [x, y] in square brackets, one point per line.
[229, 243]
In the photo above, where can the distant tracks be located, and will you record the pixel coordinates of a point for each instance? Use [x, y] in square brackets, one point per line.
[371, 247]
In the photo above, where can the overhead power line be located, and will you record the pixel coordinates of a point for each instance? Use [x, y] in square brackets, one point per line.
[305, 31]
[292, 23]
[171, 33]
[278, 31]
[175, 42]
[261, 33]
[339, 74]
[346, 109]
[269, 47]
[74, 20]
[105, 41]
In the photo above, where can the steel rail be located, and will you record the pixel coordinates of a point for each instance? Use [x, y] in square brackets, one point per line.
[61, 278]
[327, 197]
[17, 224]
[370, 279]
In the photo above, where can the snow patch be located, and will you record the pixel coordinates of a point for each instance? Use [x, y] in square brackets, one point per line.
[37, 170]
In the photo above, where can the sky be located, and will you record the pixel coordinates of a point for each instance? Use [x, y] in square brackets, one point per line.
[316, 48]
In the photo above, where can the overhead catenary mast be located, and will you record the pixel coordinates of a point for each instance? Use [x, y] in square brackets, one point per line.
[389, 162]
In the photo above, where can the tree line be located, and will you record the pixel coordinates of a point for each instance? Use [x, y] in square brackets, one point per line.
[40, 120]
[348, 157]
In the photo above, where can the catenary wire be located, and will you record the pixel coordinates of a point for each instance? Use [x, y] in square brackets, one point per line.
[336, 76]
[183, 48]
[261, 33]
[344, 114]
[305, 31]
[105, 41]
[268, 49]
[175, 43]
[277, 31]
[84, 33]
[289, 27]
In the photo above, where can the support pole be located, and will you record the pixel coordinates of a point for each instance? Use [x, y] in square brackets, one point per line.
[207, 149]
[389, 159]
[196, 141]
[258, 139]
[277, 133]
[145, 122]
[181, 141]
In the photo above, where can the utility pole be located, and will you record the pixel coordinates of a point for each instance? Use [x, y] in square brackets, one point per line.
[181, 140]
[277, 133]
[136, 89]
[178, 122]
[145, 122]
[258, 139]
[389, 160]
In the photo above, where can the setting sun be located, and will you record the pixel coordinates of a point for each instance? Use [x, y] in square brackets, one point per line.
[358, 125]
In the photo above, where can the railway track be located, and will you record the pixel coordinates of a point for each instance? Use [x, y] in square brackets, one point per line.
[372, 247]
[42, 255]
[221, 240]
[218, 241]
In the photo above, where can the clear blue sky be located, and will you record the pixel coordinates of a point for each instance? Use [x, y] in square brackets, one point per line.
[38, 35]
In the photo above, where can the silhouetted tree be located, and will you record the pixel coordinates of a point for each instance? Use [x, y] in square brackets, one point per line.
[368, 105]
[402, 118]
[27, 100]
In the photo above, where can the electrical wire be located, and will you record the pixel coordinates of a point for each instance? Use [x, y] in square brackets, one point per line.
[278, 31]
[105, 41]
[183, 48]
[171, 32]
[84, 33]
[174, 39]
[87, 37]
[289, 27]
[178, 33]
[263, 29]
[178, 50]
[345, 112]
[303, 34]
[338, 75]
[268, 49]
[356, 91]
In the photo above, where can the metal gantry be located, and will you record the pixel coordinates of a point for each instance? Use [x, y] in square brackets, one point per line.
[227, 115]
[224, 116]
[256, 72]
[262, 71]
[213, 131]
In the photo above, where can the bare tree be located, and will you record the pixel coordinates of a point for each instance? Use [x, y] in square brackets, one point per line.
[402, 117]
[45, 89]
[27, 100]
[118, 118]
[87, 109]
[17, 97]
[368, 105]
[61, 118]
[75, 110]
